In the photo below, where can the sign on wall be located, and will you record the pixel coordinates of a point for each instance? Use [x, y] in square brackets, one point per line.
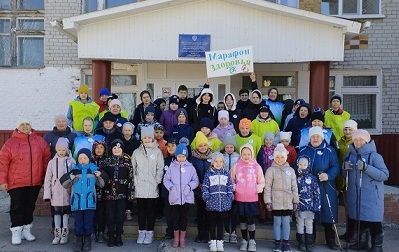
[194, 45]
[229, 62]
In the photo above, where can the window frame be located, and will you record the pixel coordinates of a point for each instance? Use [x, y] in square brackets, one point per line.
[352, 90]
[359, 9]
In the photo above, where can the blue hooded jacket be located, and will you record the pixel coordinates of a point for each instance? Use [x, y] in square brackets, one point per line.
[308, 191]
[217, 190]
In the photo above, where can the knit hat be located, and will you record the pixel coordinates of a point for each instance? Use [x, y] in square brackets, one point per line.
[117, 142]
[149, 109]
[285, 135]
[350, 124]
[85, 151]
[316, 130]
[147, 131]
[174, 99]
[23, 121]
[336, 97]
[105, 91]
[268, 135]
[304, 159]
[244, 123]
[117, 102]
[57, 117]
[181, 150]
[206, 122]
[299, 101]
[361, 134]
[318, 116]
[109, 117]
[181, 111]
[200, 138]
[159, 126]
[280, 150]
[264, 108]
[215, 155]
[249, 146]
[83, 88]
[223, 113]
[62, 142]
[128, 124]
[229, 140]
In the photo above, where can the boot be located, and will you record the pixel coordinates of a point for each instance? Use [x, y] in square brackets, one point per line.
[309, 242]
[212, 246]
[64, 236]
[111, 240]
[376, 242]
[118, 241]
[176, 238]
[182, 239]
[87, 243]
[149, 237]
[57, 236]
[301, 242]
[100, 237]
[16, 235]
[78, 244]
[199, 236]
[363, 241]
[26, 234]
[219, 246]
[330, 237]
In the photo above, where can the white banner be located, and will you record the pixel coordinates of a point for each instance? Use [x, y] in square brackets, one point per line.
[229, 62]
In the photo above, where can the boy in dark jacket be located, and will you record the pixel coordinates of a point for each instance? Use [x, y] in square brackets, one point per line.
[182, 129]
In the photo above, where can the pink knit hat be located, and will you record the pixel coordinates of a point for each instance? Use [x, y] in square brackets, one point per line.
[361, 134]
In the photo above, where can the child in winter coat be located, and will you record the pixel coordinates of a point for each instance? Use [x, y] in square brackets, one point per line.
[117, 191]
[248, 180]
[83, 178]
[159, 131]
[200, 158]
[130, 143]
[149, 120]
[182, 128]
[281, 196]
[264, 122]
[55, 193]
[230, 157]
[148, 167]
[86, 139]
[109, 130]
[224, 128]
[285, 139]
[206, 127]
[180, 180]
[217, 192]
[245, 136]
[309, 204]
[99, 155]
[265, 160]
[168, 117]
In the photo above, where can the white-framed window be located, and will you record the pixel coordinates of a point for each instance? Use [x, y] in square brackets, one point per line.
[292, 3]
[94, 5]
[352, 8]
[361, 93]
[22, 33]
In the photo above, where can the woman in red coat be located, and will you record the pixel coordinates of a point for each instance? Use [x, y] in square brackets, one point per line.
[23, 161]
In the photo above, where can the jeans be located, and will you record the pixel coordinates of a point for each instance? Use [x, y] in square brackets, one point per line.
[285, 222]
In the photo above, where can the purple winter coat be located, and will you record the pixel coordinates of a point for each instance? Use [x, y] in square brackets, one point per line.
[223, 132]
[181, 179]
[168, 119]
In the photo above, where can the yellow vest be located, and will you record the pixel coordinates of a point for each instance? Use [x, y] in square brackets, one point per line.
[82, 110]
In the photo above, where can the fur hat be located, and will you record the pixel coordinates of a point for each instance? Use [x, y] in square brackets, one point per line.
[181, 150]
[316, 130]
[105, 91]
[223, 113]
[147, 131]
[336, 96]
[117, 102]
[83, 88]
[200, 138]
[174, 99]
[350, 124]
[85, 151]
[109, 117]
[62, 142]
[244, 123]
[285, 135]
[280, 150]
[215, 155]
[206, 122]
[361, 134]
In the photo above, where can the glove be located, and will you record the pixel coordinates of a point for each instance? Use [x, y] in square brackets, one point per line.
[269, 207]
[46, 200]
[347, 166]
[323, 176]
[294, 207]
[361, 165]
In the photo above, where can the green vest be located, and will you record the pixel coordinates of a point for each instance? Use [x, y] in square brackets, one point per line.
[82, 110]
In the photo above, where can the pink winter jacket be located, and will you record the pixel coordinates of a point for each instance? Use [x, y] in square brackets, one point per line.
[53, 190]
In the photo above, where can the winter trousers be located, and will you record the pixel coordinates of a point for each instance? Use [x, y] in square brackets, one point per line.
[216, 220]
[202, 214]
[168, 216]
[146, 213]
[230, 220]
[23, 200]
[179, 216]
[375, 227]
[279, 221]
[83, 224]
[100, 216]
[115, 216]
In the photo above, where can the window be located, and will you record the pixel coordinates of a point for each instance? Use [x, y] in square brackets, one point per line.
[292, 3]
[361, 97]
[94, 5]
[21, 33]
[352, 8]
[114, 3]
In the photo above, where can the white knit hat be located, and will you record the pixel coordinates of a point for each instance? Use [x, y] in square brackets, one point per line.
[316, 130]
[223, 113]
[285, 135]
[350, 124]
[280, 150]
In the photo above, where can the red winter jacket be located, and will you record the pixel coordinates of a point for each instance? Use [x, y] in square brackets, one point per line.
[23, 160]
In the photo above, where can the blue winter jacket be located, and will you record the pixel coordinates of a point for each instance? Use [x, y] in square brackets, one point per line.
[217, 190]
[85, 141]
[372, 187]
[324, 159]
[201, 166]
[308, 191]
[182, 130]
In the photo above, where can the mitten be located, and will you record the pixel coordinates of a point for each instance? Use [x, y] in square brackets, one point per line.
[361, 165]
[347, 166]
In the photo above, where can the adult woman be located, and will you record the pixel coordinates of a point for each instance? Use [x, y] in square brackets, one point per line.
[276, 107]
[300, 120]
[61, 129]
[366, 203]
[326, 168]
[23, 162]
[252, 110]
[138, 115]
[235, 114]
[115, 107]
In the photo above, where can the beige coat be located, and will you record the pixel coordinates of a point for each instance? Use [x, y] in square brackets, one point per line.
[281, 187]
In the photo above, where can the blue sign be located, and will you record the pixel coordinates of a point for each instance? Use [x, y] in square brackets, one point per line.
[194, 45]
